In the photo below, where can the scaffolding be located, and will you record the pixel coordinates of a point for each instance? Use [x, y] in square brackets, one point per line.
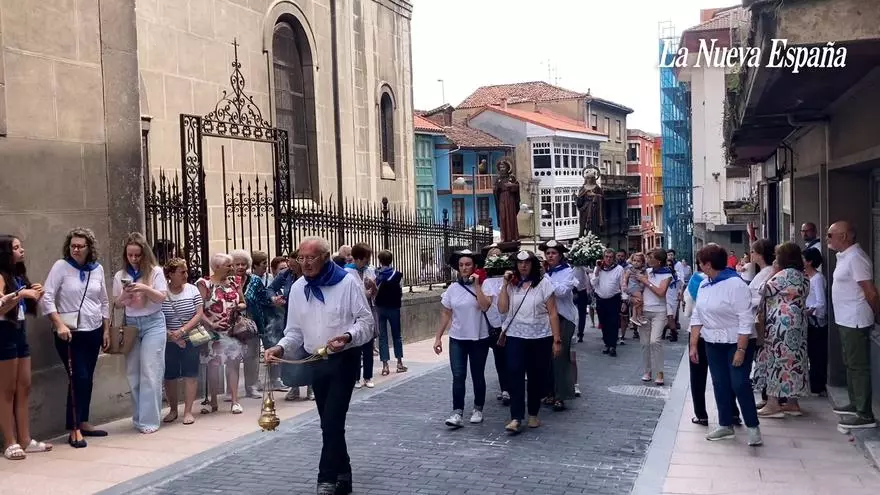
[675, 123]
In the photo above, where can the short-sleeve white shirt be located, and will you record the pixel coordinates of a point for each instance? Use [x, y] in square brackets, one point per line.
[851, 309]
[491, 288]
[468, 322]
[531, 320]
[144, 307]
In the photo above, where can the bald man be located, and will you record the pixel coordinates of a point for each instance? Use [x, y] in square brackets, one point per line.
[856, 305]
[810, 236]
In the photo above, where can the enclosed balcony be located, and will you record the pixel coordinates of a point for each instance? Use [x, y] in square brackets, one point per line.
[464, 183]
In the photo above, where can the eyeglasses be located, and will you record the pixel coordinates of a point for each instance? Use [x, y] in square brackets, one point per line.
[308, 259]
[78, 247]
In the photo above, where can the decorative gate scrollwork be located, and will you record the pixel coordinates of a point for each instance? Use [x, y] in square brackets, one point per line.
[235, 116]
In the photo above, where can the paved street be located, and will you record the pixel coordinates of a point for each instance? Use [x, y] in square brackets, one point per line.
[399, 445]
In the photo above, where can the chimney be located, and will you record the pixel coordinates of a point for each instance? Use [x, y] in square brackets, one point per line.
[707, 14]
[504, 103]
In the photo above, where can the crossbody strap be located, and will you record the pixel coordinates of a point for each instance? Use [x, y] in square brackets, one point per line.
[85, 290]
[504, 330]
[485, 316]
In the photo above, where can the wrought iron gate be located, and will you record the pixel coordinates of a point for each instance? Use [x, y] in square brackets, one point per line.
[235, 116]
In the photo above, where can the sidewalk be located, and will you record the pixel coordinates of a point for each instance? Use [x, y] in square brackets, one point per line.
[804, 456]
[127, 454]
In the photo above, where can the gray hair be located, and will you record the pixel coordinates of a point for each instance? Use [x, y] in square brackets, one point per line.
[218, 259]
[241, 254]
[322, 243]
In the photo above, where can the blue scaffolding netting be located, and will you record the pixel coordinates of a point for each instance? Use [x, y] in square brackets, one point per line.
[675, 120]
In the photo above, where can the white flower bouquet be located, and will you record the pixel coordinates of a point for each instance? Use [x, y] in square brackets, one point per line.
[586, 250]
[497, 265]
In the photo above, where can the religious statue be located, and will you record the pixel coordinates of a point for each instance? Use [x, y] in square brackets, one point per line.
[589, 201]
[507, 203]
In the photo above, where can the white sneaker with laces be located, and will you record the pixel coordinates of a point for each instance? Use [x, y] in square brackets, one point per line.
[755, 436]
[369, 383]
[477, 416]
[358, 384]
[455, 420]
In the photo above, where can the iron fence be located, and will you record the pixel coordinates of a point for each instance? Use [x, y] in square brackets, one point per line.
[419, 245]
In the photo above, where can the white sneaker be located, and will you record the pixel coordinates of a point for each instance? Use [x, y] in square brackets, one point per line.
[755, 437]
[455, 420]
[577, 390]
[358, 384]
[369, 383]
[310, 394]
[477, 416]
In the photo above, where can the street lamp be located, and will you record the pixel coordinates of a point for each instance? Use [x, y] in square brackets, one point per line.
[442, 90]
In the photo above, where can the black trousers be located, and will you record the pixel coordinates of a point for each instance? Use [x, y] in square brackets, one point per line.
[532, 358]
[609, 318]
[333, 383]
[581, 301]
[84, 347]
[699, 372]
[500, 355]
[817, 351]
[367, 356]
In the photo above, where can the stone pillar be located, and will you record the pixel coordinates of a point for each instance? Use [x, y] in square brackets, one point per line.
[125, 172]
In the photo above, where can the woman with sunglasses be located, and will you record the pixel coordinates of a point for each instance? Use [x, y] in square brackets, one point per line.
[464, 304]
[532, 337]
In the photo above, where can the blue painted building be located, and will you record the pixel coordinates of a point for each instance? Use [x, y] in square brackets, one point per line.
[463, 173]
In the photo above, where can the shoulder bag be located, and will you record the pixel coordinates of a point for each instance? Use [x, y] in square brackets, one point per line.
[502, 338]
[71, 318]
[122, 337]
[761, 317]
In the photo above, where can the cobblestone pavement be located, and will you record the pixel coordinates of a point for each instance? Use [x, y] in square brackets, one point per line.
[399, 445]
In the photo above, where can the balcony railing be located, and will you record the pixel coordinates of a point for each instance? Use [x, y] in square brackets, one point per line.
[621, 183]
[461, 183]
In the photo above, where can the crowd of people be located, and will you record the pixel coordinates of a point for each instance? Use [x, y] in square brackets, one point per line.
[757, 324]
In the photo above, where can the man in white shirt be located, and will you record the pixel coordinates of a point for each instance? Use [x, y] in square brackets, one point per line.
[856, 305]
[328, 308]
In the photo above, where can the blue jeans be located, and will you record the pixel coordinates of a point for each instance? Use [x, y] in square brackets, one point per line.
[460, 352]
[389, 316]
[729, 381]
[145, 367]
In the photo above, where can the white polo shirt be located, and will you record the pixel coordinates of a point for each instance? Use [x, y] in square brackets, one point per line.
[851, 309]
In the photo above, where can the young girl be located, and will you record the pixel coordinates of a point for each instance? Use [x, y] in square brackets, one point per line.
[635, 288]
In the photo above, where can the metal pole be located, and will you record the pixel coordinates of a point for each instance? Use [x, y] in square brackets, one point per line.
[442, 90]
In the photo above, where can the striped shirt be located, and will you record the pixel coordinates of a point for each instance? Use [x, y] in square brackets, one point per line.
[180, 308]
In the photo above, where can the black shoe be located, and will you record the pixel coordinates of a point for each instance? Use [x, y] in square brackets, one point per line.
[580, 339]
[326, 489]
[606, 350]
[635, 335]
[612, 352]
[93, 433]
[77, 444]
[343, 484]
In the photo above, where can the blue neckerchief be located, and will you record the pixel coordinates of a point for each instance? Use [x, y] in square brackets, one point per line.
[135, 274]
[522, 282]
[663, 270]
[465, 282]
[82, 268]
[330, 275]
[694, 284]
[557, 268]
[354, 267]
[606, 268]
[724, 275]
[384, 274]
[19, 284]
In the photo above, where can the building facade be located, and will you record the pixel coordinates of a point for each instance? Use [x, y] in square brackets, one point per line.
[569, 111]
[91, 94]
[643, 210]
[712, 181]
[809, 136]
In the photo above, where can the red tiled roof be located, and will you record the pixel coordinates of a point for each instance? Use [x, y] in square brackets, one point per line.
[517, 93]
[468, 137]
[422, 124]
[731, 17]
[543, 118]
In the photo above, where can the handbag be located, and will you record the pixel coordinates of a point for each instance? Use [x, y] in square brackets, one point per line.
[198, 335]
[243, 329]
[761, 318]
[71, 318]
[122, 337]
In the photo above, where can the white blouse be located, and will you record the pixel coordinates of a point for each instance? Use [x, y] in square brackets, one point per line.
[724, 310]
[527, 316]
[468, 322]
[816, 299]
[564, 283]
[140, 305]
[653, 302]
[64, 291]
[491, 289]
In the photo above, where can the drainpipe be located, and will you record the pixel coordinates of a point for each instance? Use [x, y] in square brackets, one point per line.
[337, 118]
[790, 162]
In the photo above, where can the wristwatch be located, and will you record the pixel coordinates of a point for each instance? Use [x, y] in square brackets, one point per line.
[347, 334]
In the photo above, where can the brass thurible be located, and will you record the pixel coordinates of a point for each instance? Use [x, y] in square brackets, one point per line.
[269, 419]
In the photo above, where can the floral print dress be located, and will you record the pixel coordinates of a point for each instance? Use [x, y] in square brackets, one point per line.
[781, 365]
[222, 299]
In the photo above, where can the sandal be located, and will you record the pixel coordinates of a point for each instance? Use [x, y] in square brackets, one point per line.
[35, 447]
[206, 410]
[401, 368]
[170, 418]
[700, 421]
[14, 453]
[548, 401]
[558, 406]
[385, 370]
[236, 408]
[188, 420]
